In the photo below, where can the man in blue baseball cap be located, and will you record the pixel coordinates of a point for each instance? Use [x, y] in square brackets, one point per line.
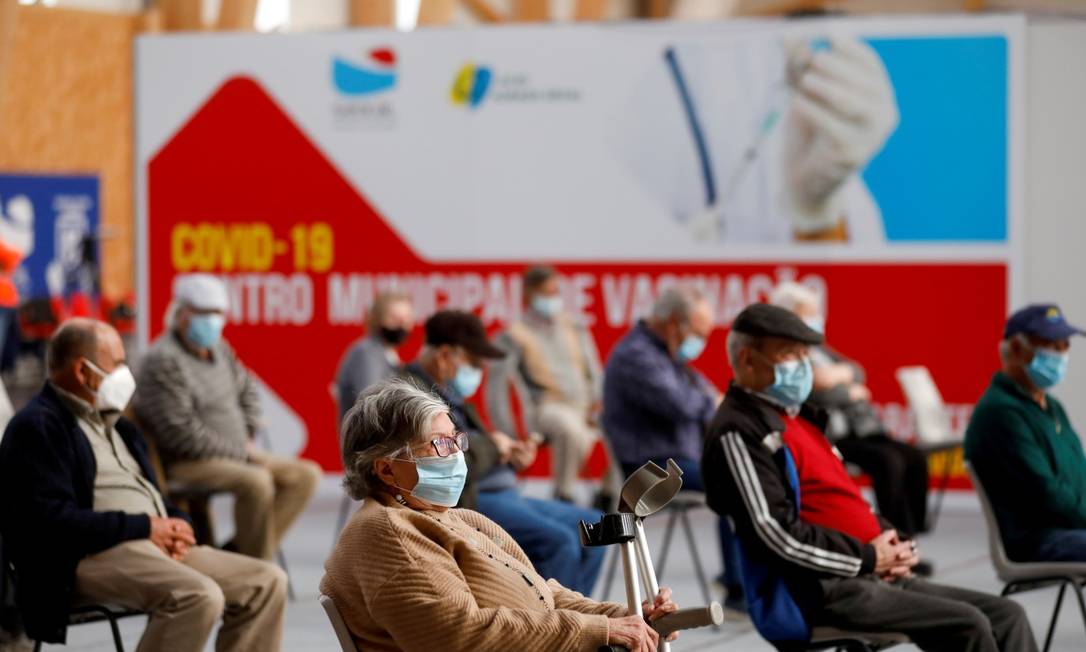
[1022, 446]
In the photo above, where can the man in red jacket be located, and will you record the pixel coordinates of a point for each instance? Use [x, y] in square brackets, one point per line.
[844, 566]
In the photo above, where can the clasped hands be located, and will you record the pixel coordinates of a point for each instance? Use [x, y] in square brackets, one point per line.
[173, 535]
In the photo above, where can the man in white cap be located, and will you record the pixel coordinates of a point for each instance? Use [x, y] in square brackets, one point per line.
[201, 406]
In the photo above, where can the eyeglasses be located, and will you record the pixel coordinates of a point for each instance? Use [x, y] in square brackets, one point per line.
[446, 446]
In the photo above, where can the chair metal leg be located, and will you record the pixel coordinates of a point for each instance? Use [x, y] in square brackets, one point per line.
[1055, 616]
[691, 542]
[1081, 602]
[282, 559]
[118, 642]
[668, 532]
[37, 646]
[944, 482]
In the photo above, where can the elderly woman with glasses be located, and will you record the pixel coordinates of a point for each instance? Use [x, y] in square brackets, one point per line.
[409, 573]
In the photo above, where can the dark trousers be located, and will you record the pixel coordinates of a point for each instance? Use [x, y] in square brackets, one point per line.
[937, 618]
[900, 475]
[728, 550]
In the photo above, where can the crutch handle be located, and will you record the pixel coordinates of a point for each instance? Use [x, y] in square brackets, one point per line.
[690, 619]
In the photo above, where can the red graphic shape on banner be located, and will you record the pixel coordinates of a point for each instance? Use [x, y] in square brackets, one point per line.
[383, 55]
[241, 163]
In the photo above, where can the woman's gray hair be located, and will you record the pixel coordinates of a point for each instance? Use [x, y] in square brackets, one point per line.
[386, 419]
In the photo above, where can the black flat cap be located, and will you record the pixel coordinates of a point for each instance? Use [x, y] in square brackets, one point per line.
[764, 320]
[460, 328]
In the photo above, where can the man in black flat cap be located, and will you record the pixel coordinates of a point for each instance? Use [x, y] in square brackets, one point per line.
[1022, 446]
[803, 524]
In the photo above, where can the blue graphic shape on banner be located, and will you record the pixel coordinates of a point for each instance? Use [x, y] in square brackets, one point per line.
[951, 142]
[64, 213]
[352, 79]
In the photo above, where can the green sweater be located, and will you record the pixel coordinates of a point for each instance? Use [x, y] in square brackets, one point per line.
[1031, 463]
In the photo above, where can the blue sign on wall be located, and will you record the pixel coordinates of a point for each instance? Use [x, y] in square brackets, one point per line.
[54, 218]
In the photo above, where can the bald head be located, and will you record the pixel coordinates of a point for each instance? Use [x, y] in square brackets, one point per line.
[76, 342]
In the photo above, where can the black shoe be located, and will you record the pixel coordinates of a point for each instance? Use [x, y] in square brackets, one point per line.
[924, 569]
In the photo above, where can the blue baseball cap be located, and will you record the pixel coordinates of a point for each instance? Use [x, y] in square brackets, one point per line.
[1044, 320]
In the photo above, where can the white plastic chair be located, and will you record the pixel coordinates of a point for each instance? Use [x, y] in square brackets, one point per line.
[1027, 576]
[934, 434]
[346, 642]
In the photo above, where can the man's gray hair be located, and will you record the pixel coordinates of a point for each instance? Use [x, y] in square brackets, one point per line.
[735, 343]
[387, 418]
[675, 301]
[791, 295]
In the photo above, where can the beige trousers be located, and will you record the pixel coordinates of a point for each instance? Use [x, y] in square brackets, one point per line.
[571, 439]
[270, 492]
[186, 598]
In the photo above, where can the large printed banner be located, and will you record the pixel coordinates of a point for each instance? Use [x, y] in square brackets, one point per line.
[875, 161]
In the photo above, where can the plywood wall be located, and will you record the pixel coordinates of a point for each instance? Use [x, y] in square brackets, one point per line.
[66, 106]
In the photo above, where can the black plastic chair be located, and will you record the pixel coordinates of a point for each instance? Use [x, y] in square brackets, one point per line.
[831, 638]
[82, 614]
[97, 613]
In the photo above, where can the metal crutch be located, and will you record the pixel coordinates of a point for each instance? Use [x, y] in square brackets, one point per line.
[646, 491]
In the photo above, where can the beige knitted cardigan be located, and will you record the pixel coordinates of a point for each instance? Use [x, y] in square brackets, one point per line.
[424, 580]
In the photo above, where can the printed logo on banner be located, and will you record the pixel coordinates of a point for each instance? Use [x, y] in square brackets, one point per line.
[354, 79]
[358, 83]
[471, 85]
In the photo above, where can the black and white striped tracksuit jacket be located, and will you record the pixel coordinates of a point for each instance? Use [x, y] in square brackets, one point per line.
[745, 478]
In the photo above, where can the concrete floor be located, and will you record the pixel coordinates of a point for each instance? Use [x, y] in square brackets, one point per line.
[958, 547]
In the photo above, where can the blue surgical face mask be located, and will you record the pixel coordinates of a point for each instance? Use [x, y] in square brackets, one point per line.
[691, 348]
[1047, 368]
[547, 305]
[441, 479]
[817, 324]
[792, 382]
[206, 330]
[467, 380]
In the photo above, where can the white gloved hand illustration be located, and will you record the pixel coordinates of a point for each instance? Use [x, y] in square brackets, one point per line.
[842, 112]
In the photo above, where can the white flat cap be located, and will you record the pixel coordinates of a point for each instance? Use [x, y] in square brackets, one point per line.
[200, 291]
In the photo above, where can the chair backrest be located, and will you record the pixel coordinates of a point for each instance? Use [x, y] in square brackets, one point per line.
[342, 633]
[999, 556]
[923, 397]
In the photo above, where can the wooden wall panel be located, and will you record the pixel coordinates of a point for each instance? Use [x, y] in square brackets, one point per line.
[66, 106]
[372, 13]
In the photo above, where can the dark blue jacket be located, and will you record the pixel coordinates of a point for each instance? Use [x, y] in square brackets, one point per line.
[47, 517]
[653, 405]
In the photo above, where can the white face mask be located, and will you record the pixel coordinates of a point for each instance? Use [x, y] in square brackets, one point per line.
[116, 389]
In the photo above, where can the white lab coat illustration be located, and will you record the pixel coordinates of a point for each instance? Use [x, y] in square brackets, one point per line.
[751, 157]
